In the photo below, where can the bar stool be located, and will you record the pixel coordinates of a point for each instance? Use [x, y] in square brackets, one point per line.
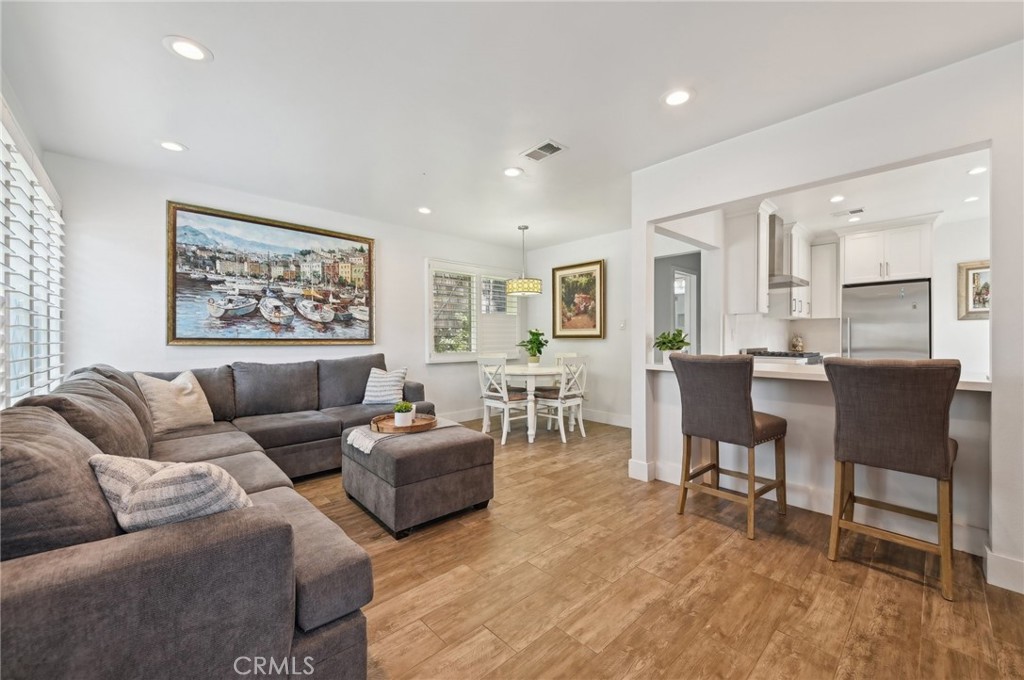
[894, 415]
[715, 393]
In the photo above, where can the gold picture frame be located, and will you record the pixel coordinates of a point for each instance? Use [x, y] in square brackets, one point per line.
[235, 279]
[578, 300]
[973, 290]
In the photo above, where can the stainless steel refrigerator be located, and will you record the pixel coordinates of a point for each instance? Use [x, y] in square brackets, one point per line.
[887, 321]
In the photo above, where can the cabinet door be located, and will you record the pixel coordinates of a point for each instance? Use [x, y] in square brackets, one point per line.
[908, 253]
[864, 257]
[762, 300]
[824, 302]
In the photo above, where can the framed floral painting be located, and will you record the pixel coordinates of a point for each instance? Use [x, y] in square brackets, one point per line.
[974, 289]
[578, 308]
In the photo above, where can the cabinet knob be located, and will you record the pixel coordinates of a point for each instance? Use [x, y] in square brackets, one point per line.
[880, 274]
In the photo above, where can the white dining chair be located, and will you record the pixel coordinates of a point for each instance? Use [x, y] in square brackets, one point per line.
[568, 395]
[501, 355]
[496, 395]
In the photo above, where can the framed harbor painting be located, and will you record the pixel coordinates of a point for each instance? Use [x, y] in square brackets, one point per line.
[578, 305]
[241, 280]
[974, 290]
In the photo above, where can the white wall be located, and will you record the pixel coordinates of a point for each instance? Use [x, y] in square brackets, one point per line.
[116, 263]
[608, 369]
[966, 340]
[913, 119]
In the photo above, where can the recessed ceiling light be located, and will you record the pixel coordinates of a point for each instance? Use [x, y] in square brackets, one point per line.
[677, 97]
[970, 199]
[838, 198]
[189, 49]
[854, 219]
[424, 210]
[977, 171]
[513, 172]
[173, 146]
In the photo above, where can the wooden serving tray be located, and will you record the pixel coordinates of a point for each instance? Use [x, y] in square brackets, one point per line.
[386, 423]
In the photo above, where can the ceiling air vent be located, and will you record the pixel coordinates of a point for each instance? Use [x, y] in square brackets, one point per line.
[545, 149]
[847, 213]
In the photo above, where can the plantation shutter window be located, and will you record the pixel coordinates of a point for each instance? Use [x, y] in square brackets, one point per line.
[469, 312]
[31, 276]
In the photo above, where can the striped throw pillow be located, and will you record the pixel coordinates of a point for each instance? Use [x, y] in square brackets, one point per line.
[147, 493]
[385, 387]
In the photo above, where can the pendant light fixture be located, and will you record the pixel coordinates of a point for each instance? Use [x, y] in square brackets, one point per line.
[523, 285]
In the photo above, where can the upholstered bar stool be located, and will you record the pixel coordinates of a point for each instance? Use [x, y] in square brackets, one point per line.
[894, 415]
[715, 393]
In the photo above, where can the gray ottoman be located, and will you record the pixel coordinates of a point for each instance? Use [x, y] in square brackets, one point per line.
[414, 478]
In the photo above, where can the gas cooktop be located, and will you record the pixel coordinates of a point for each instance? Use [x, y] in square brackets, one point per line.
[799, 357]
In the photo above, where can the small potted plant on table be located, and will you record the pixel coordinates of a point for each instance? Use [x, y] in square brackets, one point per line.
[534, 345]
[404, 414]
[671, 342]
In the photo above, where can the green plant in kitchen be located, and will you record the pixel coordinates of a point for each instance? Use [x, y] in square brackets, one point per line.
[671, 342]
[534, 345]
[403, 407]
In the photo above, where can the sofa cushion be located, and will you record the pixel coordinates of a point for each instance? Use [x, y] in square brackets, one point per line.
[203, 447]
[147, 493]
[218, 427]
[218, 385]
[385, 387]
[254, 471]
[333, 576]
[49, 497]
[283, 429]
[274, 388]
[362, 414]
[343, 381]
[128, 396]
[413, 458]
[175, 404]
[103, 418]
[115, 374]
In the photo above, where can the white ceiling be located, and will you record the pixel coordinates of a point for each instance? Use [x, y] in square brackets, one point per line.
[938, 186]
[377, 109]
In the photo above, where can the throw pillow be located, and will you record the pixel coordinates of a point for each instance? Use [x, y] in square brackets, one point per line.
[384, 387]
[175, 404]
[147, 493]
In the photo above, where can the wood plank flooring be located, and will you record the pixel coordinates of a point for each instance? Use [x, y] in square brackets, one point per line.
[577, 571]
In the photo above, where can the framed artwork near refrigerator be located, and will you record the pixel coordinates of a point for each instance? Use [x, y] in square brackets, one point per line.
[974, 290]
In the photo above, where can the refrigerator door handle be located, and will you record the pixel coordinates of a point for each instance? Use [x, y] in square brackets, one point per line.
[849, 334]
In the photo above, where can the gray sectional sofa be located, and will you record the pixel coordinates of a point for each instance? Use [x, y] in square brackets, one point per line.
[277, 586]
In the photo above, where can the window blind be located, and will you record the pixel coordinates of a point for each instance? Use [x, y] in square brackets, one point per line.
[31, 276]
[469, 312]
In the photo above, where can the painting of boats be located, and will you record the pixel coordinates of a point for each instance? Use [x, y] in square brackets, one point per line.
[238, 279]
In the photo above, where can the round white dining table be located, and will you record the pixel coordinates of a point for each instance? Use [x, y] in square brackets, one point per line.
[531, 372]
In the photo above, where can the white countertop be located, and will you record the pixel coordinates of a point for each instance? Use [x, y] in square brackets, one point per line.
[816, 373]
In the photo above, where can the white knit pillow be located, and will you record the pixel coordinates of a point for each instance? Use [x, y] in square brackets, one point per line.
[385, 387]
[147, 493]
[175, 404]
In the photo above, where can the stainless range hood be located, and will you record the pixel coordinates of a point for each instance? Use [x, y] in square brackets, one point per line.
[780, 256]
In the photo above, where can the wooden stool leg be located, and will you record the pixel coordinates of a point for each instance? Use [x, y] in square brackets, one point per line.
[945, 488]
[684, 475]
[714, 459]
[751, 483]
[837, 509]
[849, 489]
[780, 473]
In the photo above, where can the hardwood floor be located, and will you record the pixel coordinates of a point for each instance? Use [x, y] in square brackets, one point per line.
[577, 571]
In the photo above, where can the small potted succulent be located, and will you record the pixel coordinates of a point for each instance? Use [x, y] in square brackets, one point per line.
[534, 345]
[405, 412]
[671, 342]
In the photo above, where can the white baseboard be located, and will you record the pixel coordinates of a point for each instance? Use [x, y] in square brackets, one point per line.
[642, 470]
[1004, 571]
[968, 538]
[462, 416]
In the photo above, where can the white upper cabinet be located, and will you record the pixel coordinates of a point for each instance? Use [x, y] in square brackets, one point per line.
[889, 255]
[746, 261]
[824, 281]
